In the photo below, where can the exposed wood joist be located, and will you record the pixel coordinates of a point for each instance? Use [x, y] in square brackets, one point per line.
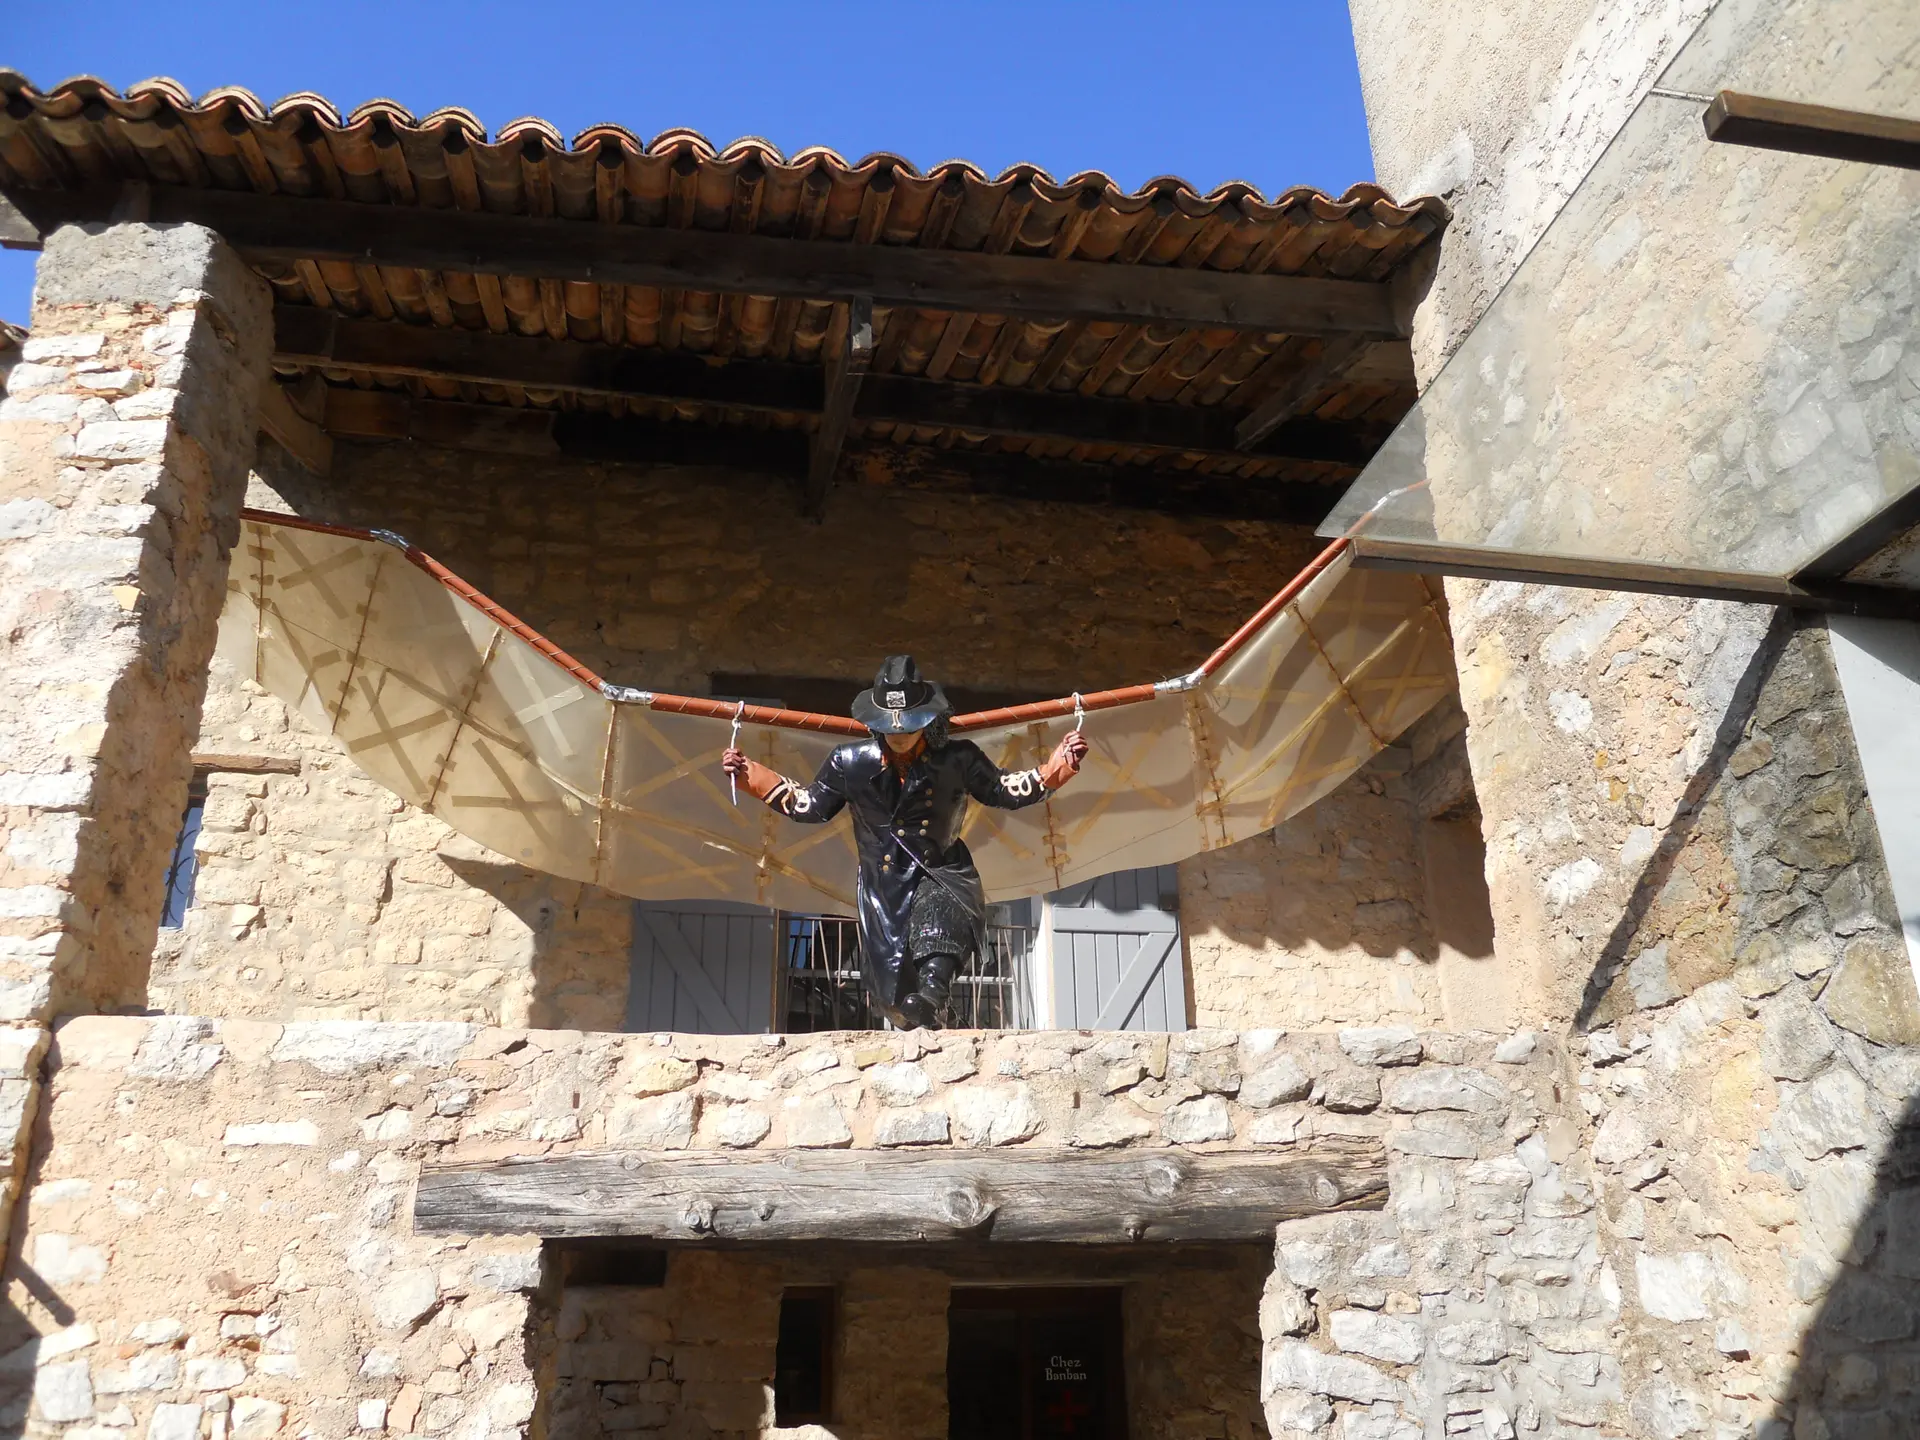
[847, 366]
[1800, 129]
[389, 415]
[273, 229]
[1337, 352]
[308, 336]
[306, 441]
[799, 1195]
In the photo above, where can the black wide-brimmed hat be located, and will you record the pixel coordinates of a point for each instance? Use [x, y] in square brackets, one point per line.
[900, 701]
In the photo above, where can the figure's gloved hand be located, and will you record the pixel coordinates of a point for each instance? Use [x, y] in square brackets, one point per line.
[760, 782]
[1064, 763]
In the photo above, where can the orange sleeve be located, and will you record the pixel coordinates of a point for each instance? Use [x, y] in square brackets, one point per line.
[760, 781]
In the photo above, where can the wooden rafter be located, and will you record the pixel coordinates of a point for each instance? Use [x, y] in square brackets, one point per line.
[390, 415]
[850, 358]
[1337, 352]
[309, 337]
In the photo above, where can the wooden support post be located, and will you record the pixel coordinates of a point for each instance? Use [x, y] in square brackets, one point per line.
[891, 1195]
[1336, 353]
[846, 368]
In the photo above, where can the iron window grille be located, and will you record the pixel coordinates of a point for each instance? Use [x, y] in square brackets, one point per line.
[819, 981]
[183, 866]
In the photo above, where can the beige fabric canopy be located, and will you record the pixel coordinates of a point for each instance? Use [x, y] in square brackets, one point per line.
[461, 710]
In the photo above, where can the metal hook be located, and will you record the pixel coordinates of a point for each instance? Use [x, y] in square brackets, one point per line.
[733, 743]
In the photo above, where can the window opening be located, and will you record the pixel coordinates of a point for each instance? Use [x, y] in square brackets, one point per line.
[184, 865]
[1035, 1364]
[608, 1265]
[803, 1357]
[820, 983]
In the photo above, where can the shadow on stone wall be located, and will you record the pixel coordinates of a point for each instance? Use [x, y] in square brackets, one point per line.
[43, 1363]
[567, 969]
[1700, 811]
[1858, 1370]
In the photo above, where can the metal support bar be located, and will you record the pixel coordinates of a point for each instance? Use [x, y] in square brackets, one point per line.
[1863, 542]
[1634, 577]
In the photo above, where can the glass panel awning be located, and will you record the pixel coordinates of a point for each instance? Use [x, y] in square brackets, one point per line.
[1707, 369]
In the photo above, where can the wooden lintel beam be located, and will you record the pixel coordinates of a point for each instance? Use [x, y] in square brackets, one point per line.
[1336, 353]
[393, 415]
[209, 761]
[1801, 129]
[847, 366]
[279, 230]
[799, 1195]
[310, 337]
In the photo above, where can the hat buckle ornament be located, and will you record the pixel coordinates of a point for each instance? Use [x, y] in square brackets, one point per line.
[900, 701]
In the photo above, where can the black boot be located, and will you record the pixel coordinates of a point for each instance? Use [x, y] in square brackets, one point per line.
[935, 983]
[917, 1013]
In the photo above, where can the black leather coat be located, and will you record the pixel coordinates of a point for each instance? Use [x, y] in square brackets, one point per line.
[906, 834]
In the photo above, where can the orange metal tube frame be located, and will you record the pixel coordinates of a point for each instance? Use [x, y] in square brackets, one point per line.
[808, 719]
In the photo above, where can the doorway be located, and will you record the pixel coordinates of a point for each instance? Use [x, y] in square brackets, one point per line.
[1035, 1364]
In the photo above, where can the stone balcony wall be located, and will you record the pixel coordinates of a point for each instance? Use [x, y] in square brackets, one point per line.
[218, 1234]
[1573, 1244]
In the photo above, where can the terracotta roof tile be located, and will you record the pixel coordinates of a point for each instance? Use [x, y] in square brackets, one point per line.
[81, 131]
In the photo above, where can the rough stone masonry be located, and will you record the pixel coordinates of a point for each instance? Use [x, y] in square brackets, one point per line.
[281, 1159]
[125, 441]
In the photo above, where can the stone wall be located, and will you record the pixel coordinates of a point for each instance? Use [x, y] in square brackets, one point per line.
[124, 444]
[698, 1352]
[1534, 1251]
[1682, 855]
[217, 1243]
[320, 896]
[285, 1156]
[1366, 908]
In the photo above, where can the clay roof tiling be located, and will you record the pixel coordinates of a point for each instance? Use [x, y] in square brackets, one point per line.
[82, 132]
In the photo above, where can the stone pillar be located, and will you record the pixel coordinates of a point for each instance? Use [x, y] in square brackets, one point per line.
[1682, 853]
[125, 443]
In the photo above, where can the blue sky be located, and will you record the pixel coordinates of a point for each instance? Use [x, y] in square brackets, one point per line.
[1210, 90]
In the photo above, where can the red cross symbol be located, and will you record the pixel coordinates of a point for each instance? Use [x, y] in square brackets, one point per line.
[1067, 1409]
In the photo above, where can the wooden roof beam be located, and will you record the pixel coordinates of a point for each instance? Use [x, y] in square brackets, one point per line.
[276, 229]
[309, 337]
[391, 415]
[1337, 352]
[847, 365]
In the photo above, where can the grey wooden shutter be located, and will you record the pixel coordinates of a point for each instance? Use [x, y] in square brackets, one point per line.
[1116, 953]
[702, 967]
